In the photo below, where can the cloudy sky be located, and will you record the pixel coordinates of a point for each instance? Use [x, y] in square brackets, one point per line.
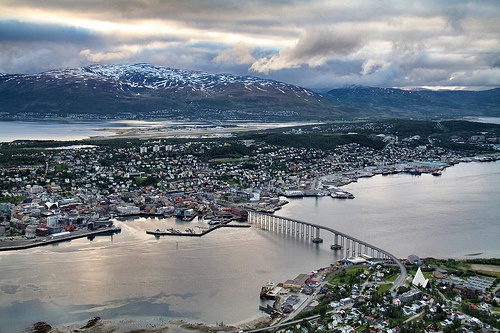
[317, 44]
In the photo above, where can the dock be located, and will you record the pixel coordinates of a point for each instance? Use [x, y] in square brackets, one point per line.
[34, 243]
[193, 234]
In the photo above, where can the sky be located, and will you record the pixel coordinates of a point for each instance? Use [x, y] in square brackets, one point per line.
[317, 44]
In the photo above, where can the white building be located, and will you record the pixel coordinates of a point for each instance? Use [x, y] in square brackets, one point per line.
[35, 189]
[419, 279]
[128, 210]
[52, 220]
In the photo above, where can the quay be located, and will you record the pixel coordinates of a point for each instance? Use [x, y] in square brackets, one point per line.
[26, 244]
[203, 233]
[143, 214]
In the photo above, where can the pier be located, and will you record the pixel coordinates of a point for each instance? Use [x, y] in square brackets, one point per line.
[26, 244]
[203, 233]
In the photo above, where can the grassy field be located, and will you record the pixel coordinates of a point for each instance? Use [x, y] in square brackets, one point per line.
[344, 276]
[383, 288]
[391, 277]
[486, 269]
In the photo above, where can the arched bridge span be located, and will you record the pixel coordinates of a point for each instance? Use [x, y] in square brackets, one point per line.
[341, 241]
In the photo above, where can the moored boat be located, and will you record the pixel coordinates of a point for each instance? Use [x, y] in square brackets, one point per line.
[267, 291]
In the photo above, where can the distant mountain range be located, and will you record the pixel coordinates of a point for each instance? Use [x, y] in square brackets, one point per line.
[149, 91]
[397, 103]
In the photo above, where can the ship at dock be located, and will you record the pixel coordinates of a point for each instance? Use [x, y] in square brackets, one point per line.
[269, 291]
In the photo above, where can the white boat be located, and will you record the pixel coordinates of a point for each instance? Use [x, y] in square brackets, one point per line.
[342, 195]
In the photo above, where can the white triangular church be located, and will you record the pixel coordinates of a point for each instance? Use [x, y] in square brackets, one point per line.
[419, 279]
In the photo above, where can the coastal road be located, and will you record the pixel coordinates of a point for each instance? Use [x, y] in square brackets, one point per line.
[401, 280]
[311, 297]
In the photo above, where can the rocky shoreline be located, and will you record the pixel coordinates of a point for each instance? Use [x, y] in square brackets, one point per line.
[96, 325]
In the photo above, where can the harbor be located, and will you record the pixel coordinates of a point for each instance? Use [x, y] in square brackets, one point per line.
[217, 258]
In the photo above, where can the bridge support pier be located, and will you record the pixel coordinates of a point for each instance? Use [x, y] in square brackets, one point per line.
[304, 230]
[317, 239]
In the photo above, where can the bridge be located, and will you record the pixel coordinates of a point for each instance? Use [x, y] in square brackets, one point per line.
[341, 241]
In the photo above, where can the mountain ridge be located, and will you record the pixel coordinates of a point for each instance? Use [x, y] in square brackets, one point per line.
[150, 91]
[127, 89]
[410, 103]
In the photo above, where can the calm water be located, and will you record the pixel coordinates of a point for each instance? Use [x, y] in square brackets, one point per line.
[449, 216]
[132, 275]
[62, 130]
[67, 130]
[491, 120]
[218, 277]
[51, 130]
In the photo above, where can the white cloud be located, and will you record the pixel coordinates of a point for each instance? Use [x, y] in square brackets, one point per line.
[106, 56]
[239, 54]
[371, 66]
[314, 48]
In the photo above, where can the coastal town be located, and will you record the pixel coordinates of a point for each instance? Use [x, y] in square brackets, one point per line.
[348, 296]
[61, 192]
[57, 189]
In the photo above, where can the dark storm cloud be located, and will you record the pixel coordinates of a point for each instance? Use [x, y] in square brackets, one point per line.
[16, 31]
[36, 57]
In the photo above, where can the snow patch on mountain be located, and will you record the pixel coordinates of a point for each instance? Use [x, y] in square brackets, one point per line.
[160, 77]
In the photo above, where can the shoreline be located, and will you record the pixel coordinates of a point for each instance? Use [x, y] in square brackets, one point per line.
[161, 324]
[158, 325]
[415, 168]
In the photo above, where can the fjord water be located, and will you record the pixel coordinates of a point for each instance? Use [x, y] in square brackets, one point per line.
[449, 216]
[11, 130]
[52, 130]
[217, 278]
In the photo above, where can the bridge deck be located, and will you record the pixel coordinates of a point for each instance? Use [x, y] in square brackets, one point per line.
[402, 268]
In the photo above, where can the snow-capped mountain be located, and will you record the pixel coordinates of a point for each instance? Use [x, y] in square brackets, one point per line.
[158, 77]
[149, 91]
[145, 89]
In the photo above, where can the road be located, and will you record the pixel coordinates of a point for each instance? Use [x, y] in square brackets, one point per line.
[289, 320]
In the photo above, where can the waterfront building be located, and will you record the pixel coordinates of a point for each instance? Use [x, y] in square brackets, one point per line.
[30, 231]
[128, 210]
[414, 259]
[297, 283]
